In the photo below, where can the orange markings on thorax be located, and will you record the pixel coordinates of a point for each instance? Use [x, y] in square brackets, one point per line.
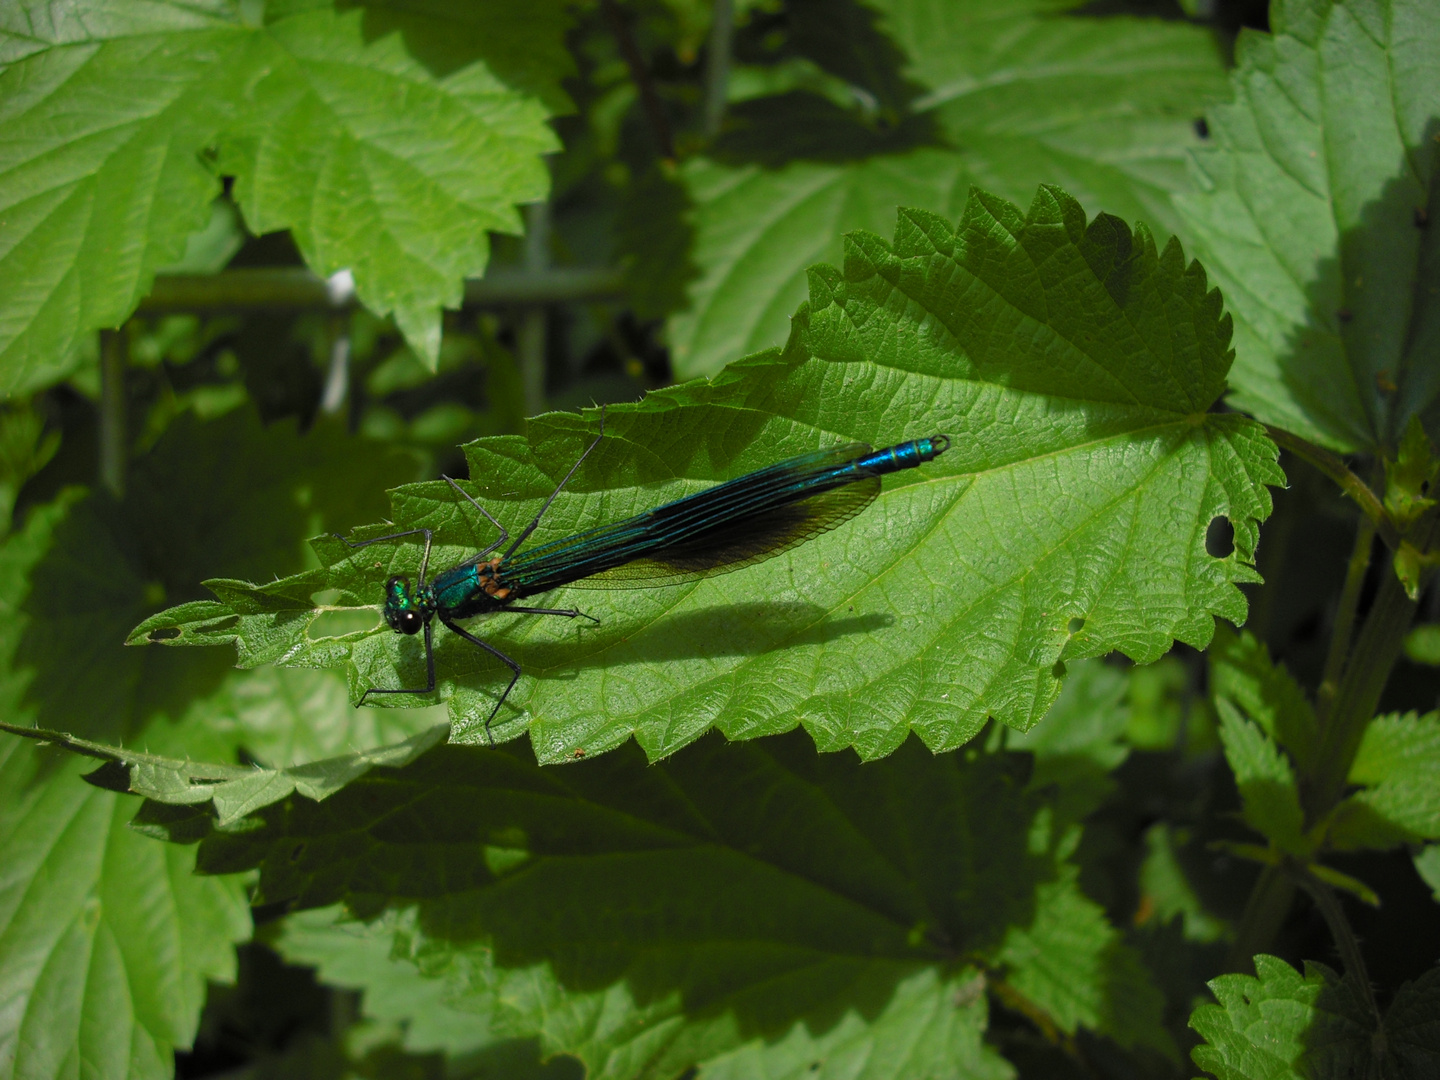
[486, 576]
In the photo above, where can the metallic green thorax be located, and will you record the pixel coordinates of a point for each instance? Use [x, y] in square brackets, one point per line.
[404, 611]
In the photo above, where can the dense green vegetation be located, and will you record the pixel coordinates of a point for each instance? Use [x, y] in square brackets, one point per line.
[1105, 744]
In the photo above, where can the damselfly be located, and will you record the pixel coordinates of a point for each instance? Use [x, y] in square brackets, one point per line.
[737, 523]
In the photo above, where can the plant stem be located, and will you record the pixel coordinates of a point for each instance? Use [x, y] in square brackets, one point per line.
[530, 340]
[1265, 911]
[113, 443]
[1331, 465]
[1345, 616]
[1347, 944]
[288, 287]
[649, 99]
[1358, 694]
[717, 64]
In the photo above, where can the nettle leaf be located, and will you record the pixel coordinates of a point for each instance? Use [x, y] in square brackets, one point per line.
[106, 937]
[1427, 865]
[1269, 794]
[1072, 964]
[1016, 94]
[535, 895]
[228, 495]
[233, 791]
[1081, 742]
[1072, 366]
[1396, 767]
[1322, 178]
[120, 123]
[1242, 673]
[397, 988]
[1281, 1024]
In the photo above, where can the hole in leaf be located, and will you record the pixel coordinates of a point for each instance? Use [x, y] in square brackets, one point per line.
[1076, 625]
[341, 621]
[325, 597]
[220, 626]
[1220, 538]
[1058, 670]
[164, 633]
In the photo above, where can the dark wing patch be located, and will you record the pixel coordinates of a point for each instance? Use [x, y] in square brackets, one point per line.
[721, 549]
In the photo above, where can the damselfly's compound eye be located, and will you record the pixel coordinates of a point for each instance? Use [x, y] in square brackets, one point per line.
[409, 622]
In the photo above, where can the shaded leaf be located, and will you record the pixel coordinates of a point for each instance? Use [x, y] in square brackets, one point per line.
[1266, 779]
[1280, 1025]
[1321, 169]
[234, 790]
[1398, 769]
[1017, 94]
[1242, 674]
[646, 918]
[106, 937]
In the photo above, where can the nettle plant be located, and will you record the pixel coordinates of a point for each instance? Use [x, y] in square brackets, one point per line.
[993, 779]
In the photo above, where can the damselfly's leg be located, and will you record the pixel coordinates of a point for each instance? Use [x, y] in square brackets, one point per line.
[511, 664]
[429, 686]
[424, 559]
[504, 532]
[569, 613]
[525, 534]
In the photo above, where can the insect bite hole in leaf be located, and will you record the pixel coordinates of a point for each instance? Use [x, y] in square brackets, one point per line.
[164, 633]
[1220, 538]
[340, 622]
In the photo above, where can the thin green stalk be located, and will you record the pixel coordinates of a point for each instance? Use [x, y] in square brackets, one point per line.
[1265, 912]
[1358, 694]
[287, 288]
[717, 64]
[530, 339]
[1345, 616]
[1331, 465]
[650, 102]
[1349, 947]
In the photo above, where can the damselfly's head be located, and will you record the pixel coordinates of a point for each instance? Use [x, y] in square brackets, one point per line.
[404, 611]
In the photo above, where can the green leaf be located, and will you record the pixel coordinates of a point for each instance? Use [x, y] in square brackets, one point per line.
[1071, 963]
[1081, 741]
[1072, 366]
[1321, 171]
[1017, 95]
[1282, 1025]
[931, 1027]
[375, 163]
[753, 265]
[1427, 865]
[234, 790]
[1410, 475]
[106, 937]
[1396, 766]
[646, 918]
[224, 495]
[1412, 1026]
[1268, 793]
[1422, 644]
[1167, 886]
[361, 956]
[1242, 674]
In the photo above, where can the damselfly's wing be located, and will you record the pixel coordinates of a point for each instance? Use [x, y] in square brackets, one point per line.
[740, 543]
[734, 524]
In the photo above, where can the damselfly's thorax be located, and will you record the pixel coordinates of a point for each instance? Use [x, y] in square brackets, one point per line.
[405, 611]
